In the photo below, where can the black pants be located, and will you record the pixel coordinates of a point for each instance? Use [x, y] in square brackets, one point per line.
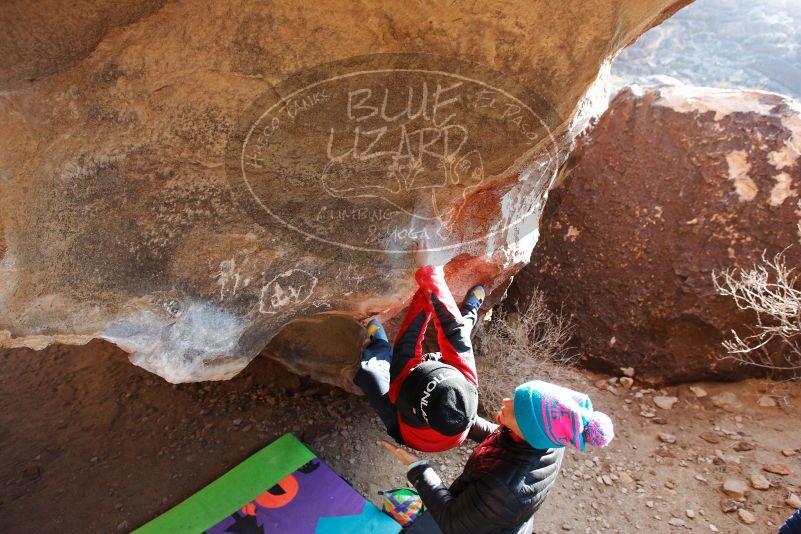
[373, 376]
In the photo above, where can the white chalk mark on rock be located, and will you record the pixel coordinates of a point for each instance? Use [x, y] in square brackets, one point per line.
[289, 288]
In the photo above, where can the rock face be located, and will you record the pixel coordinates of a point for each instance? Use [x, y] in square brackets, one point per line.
[673, 184]
[184, 179]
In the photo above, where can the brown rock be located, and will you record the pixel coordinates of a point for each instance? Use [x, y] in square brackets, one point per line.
[743, 446]
[766, 401]
[793, 501]
[759, 482]
[776, 469]
[746, 517]
[735, 488]
[665, 403]
[188, 228]
[652, 289]
[710, 437]
[789, 452]
[722, 457]
[698, 391]
[664, 437]
[728, 506]
[727, 401]
[602, 384]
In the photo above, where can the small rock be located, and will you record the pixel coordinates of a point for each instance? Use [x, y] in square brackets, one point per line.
[664, 437]
[766, 401]
[735, 488]
[698, 391]
[713, 528]
[743, 446]
[727, 401]
[659, 421]
[676, 522]
[649, 504]
[746, 517]
[625, 478]
[627, 371]
[710, 437]
[759, 482]
[648, 414]
[723, 458]
[607, 480]
[565, 526]
[626, 382]
[793, 501]
[601, 384]
[665, 403]
[776, 469]
[690, 513]
[728, 506]
[788, 452]
[664, 452]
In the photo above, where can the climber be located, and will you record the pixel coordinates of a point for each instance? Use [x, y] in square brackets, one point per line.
[510, 473]
[792, 525]
[427, 402]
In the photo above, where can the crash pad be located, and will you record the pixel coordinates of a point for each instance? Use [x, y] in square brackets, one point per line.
[284, 488]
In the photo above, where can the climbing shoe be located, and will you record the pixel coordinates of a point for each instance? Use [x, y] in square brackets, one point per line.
[474, 298]
[376, 331]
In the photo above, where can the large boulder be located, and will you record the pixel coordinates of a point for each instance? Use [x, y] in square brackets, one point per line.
[182, 179]
[672, 184]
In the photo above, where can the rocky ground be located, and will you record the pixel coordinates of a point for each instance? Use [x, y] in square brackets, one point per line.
[92, 444]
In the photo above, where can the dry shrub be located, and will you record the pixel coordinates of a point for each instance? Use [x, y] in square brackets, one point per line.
[527, 343]
[772, 292]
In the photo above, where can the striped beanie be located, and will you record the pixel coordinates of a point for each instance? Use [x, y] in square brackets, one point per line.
[554, 416]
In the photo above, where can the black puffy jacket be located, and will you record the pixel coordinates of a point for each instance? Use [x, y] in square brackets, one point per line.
[503, 484]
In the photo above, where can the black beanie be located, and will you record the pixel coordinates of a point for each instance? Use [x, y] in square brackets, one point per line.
[438, 395]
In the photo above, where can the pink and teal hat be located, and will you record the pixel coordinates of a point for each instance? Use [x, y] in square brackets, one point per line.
[554, 416]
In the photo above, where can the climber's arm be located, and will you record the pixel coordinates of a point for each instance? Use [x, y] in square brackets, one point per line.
[408, 350]
[452, 332]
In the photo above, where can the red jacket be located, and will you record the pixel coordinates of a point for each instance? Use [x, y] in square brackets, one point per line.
[433, 298]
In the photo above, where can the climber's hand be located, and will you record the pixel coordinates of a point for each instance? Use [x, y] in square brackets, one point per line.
[422, 256]
[401, 454]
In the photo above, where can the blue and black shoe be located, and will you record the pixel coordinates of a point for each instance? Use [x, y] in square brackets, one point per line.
[376, 331]
[475, 298]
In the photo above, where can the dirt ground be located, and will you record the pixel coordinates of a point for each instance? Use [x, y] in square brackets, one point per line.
[91, 443]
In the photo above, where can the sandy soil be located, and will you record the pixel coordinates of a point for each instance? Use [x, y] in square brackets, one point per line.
[92, 444]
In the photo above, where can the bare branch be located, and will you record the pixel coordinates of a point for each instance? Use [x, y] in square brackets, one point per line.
[771, 291]
[529, 343]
